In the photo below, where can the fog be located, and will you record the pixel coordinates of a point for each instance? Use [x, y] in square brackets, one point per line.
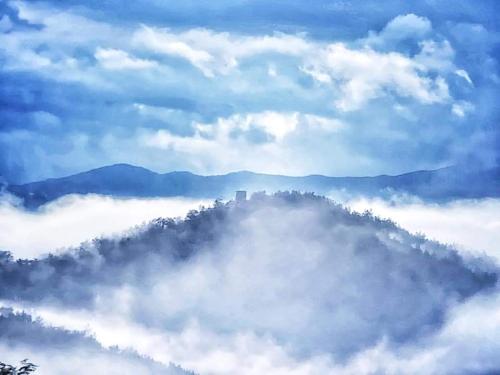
[470, 225]
[58, 351]
[73, 219]
[289, 284]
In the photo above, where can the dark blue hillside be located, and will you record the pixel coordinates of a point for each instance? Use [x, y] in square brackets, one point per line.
[131, 181]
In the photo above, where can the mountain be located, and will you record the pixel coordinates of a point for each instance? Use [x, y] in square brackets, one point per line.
[131, 181]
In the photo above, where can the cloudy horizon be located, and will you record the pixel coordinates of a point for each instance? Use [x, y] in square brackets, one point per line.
[412, 88]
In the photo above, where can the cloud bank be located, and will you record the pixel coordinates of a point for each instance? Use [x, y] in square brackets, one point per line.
[469, 225]
[73, 219]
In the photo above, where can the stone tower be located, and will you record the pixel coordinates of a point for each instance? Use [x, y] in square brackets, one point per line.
[241, 196]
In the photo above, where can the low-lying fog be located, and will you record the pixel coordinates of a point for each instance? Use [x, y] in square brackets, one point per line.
[73, 219]
[283, 285]
[470, 225]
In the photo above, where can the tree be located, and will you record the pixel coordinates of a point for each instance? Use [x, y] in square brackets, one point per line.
[25, 368]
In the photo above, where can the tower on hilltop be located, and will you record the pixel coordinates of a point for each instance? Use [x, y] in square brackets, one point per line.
[241, 196]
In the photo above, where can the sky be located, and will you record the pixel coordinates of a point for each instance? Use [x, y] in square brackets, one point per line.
[289, 87]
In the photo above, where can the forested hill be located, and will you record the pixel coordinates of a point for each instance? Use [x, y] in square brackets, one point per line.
[298, 268]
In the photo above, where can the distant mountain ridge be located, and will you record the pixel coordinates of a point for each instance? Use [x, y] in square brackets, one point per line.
[126, 180]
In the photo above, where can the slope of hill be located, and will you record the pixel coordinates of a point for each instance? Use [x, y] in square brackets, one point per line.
[128, 180]
[57, 351]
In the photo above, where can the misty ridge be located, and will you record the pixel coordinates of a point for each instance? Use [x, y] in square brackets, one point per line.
[445, 184]
[294, 271]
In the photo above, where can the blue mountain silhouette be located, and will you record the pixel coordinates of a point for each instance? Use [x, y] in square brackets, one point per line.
[126, 180]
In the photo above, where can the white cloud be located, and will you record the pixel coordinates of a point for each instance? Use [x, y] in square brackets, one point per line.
[355, 75]
[462, 108]
[49, 50]
[271, 70]
[360, 74]
[375, 69]
[169, 44]
[317, 74]
[408, 25]
[436, 56]
[216, 52]
[231, 143]
[65, 27]
[402, 27]
[71, 220]
[365, 74]
[275, 124]
[115, 59]
[462, 73]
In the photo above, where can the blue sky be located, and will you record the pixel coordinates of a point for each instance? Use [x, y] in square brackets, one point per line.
[288, 87]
